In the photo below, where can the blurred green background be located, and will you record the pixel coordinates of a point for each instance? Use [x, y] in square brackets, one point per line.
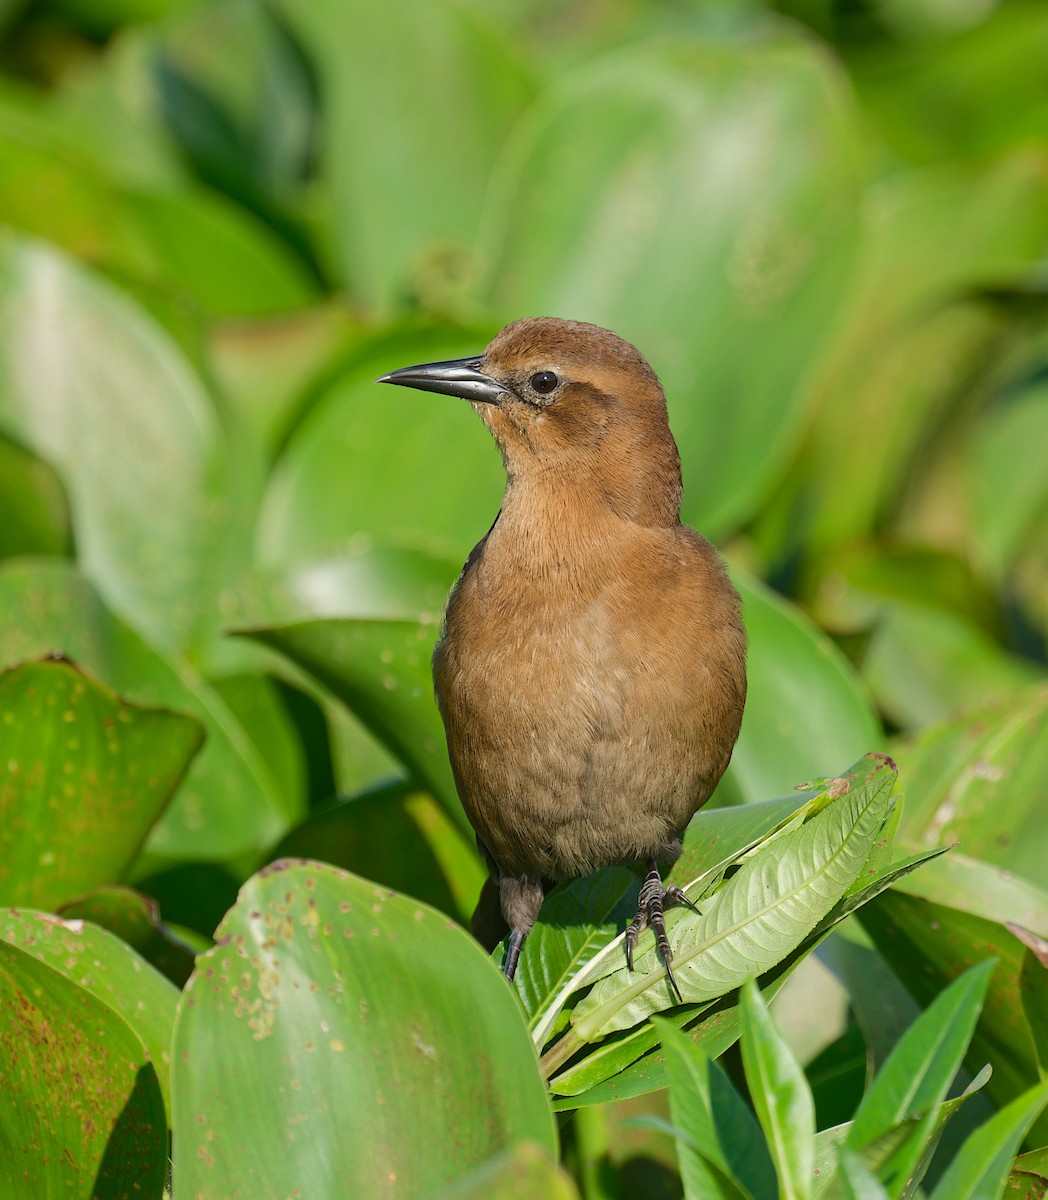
[824, 222]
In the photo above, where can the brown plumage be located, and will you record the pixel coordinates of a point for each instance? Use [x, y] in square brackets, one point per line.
[591, 672]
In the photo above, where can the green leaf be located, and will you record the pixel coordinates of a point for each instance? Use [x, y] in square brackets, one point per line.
[915, 1078]
[923, 665]
[1006, 503]
[380, 670]
[377, 1040]
[360, 464]
[36, 512]
[145, 480]
[1033, 981]
[579, 920]
[705, 204]
[228, 803]
[781, 1096]
[398, 836]
[523, 1172]
[85, 776]
[458, 86]
[629, 1066]
[761, 914]
[980, 1171]
[81, 1112]
[107, 969]
[212, 253]
[135, 919]
[928, 945]
[805, 704]
[859, 1182]
[977, 780]
[723, 1153]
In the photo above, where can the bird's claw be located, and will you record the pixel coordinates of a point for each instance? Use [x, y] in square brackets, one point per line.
[654, 895]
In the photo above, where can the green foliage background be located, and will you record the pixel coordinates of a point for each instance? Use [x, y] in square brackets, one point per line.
[825, 224]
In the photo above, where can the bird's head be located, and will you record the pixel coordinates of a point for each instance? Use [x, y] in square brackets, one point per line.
[574, 405]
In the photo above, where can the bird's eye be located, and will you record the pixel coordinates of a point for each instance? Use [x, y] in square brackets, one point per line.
[543, 382]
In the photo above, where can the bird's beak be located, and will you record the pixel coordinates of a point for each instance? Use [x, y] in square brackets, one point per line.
[458, 377]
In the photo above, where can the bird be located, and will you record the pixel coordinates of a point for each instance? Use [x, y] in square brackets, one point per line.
[591, 666]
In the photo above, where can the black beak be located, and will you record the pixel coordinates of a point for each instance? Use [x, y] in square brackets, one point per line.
[458, 377]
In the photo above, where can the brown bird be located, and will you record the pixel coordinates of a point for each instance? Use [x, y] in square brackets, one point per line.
[591, 671]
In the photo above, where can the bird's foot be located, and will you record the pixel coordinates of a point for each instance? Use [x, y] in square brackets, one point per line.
[651, 901]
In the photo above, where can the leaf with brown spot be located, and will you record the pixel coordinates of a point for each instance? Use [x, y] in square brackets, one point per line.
[382, 1052]
[83, 778]
[81, 1113]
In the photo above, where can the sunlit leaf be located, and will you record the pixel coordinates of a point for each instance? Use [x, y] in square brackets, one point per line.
[145, 480]
[704, 205]
[352, 1015]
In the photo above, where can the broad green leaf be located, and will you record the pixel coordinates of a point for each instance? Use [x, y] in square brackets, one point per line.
[980, 1171]
[266, 370]
[977, 780]
[228, 803]
[805, 704]
[361, 465]
[928, 945]
[106, 968]
[85, 777]
[722, 1137]
[704, 205]
[780, 1094]
[756, 919]
[380, 1045]
[188, 240]
[380, 670]
[145, 480]
[398, 212]
[135, 919]
[397, 836]
[81, 1112]
[915, 1078]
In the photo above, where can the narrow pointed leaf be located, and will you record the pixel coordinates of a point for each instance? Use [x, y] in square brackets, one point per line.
[780, 1095]
[925, 1060]
[756, 919]
[929, 945]
[720, 1129]
[980, 1171]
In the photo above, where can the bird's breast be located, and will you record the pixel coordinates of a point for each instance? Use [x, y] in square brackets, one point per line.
[579, 709]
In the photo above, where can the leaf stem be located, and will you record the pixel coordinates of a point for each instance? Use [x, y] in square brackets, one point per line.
[559, 1053]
